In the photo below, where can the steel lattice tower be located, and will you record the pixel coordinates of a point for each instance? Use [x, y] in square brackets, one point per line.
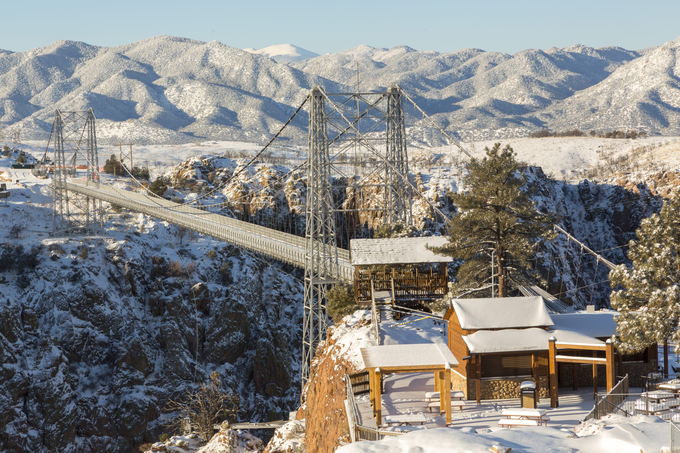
[75, 145]
[321, 254]
[397, 191]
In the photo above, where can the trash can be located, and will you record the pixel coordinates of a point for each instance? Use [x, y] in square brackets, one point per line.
[528, 394]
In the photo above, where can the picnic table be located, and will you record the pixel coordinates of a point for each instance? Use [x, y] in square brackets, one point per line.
[523, 417]
[457, 397]
[658, 395]
[672, 386]
[404, 419]
[650, 408]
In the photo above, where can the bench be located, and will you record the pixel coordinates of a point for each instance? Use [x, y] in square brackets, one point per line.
[404, 419]
[459, 404]
[455, 395]
[510, 422]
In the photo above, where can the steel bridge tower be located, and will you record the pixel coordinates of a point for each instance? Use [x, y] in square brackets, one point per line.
[75, 146]
[321, 254]
[397, 191]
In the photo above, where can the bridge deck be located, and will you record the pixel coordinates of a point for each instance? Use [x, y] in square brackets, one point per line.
[276, 244]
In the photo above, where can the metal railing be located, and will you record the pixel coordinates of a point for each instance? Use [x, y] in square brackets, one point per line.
[357, 431]
[609, 403]
[282, 246]
[675, 437]
[375, 321]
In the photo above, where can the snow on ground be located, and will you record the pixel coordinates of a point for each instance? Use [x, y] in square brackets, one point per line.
[562, 157]
[475, 428]
[614, 434]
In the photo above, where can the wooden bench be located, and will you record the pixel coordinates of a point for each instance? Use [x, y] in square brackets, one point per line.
[434, 396]
[404, 419]
[510, 422]
[459, 404]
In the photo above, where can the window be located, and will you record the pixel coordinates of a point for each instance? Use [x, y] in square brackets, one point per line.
[506, 365]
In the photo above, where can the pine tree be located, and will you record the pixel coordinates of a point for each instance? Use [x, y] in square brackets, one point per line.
[496, 219]
[647, 295]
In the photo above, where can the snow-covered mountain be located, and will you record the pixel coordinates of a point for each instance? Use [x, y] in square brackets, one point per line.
[167, 89]
[284, 53]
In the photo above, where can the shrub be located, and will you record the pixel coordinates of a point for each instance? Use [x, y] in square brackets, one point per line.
[84, 253]
[211, 254]
[159, 186]
[141, 173]
[340, 300]
[164, 437]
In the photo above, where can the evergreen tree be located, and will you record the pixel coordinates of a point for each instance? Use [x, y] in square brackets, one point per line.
[498, 220]
[647, 295]
[113, 166]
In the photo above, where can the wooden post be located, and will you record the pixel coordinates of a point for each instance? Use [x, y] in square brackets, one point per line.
[552, 362]
[371, 388]
[377, 409]
[574, 375]
[445, 395]
[610, 364]
[479, 378]
[595, 385]
[534, 374]
[436, 381]
[665, 358]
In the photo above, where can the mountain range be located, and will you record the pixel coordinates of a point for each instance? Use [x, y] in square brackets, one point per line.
[171, 90]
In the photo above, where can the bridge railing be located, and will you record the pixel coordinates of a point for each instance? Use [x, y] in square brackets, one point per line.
[282, 246]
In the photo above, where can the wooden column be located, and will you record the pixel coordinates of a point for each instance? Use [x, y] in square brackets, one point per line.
[552, 362]
[445, 395]
[478, 382]
[610, 365]
[534, 374]
[371, 388]
[436, 382]
[665, 358]
[595, 376]
[377, 409]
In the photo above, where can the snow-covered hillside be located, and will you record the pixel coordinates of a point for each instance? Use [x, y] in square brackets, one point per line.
[99, 331]
[284, 53]
[176, 90]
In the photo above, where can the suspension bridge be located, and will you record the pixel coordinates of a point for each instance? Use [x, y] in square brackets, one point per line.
[368, 126]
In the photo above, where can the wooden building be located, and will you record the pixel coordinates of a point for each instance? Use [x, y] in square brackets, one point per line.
[407, 268]
[503, 341]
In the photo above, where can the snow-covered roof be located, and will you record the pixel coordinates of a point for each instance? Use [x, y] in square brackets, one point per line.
[367, 252]
[511, 340]
[502, 312]
[391, 357]
[600, 324]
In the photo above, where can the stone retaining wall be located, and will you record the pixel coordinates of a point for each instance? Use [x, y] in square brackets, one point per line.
[494, 389]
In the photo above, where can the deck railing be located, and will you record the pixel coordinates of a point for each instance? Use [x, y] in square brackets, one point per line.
[614, 401]
[357, 431]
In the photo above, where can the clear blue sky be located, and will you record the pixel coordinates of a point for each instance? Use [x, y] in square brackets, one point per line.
[324, 26]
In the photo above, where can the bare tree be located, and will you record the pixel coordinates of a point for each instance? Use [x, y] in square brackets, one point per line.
[203, 407]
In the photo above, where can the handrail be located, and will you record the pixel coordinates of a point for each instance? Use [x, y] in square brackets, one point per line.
[282, 246]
